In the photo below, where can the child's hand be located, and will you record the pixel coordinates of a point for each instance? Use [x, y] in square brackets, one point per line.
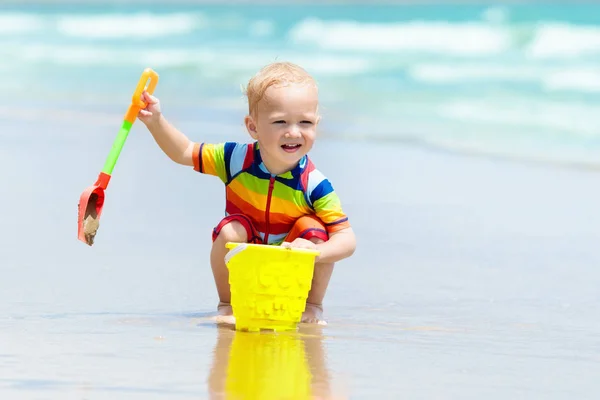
[152, 111]
[300, 243]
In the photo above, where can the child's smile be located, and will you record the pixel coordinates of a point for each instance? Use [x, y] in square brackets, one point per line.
[291, 148]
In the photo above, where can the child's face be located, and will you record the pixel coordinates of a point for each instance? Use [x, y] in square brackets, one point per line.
[285, 125]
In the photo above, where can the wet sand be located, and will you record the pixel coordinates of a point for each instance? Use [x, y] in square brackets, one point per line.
[473, 277]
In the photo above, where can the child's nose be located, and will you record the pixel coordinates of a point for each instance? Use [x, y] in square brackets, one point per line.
[294, 131]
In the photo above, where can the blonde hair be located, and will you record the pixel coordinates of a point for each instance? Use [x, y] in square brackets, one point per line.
[274, 74]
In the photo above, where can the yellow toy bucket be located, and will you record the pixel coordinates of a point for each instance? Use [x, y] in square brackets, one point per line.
[269, 285]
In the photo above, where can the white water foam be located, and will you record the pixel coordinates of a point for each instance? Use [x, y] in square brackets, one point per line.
[580, 79]
[545, 116]
[466, 39]
[213, 60]
[472, 39]
[553, 40]
[552, 78]
[20, 23]
[115, 26]
[462, 73]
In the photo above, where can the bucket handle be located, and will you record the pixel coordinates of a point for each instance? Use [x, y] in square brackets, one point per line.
[238, 249]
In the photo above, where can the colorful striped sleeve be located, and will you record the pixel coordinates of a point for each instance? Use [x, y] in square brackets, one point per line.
[326, 202]
[223, 160]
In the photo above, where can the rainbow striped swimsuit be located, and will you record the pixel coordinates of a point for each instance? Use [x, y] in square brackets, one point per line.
[272, 202]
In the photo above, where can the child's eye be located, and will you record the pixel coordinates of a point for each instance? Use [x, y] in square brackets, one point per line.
[280, 121]
[306, 122]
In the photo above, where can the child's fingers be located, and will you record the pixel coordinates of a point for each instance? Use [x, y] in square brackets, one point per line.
[145, 113]
[148, 98]
[299, 244]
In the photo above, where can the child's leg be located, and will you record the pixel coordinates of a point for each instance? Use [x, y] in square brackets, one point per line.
[232, 232]
[311, 228]
[314, 303]
[234, 228]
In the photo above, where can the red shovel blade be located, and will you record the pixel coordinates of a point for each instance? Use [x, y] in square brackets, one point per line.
[90, 209]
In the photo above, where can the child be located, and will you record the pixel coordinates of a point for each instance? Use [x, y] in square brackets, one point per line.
[274, 194]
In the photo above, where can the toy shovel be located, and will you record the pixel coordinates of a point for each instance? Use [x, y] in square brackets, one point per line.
[92, 198]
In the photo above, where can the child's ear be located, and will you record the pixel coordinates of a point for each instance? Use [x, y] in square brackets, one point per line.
[251, 127]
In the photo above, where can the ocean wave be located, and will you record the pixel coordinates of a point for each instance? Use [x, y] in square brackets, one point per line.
[138, 25]
[492, 36]
[578, 78]
[461, 73]
[562, 41]
[215, 62]
[207, 61]
[144, 25]
[20, 23]
[81, 55]
[472, 38]
[579, 119]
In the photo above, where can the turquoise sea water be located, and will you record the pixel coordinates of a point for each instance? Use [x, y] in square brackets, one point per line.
[516, 80]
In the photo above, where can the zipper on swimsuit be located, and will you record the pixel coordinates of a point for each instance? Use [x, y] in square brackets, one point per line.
[271, 185]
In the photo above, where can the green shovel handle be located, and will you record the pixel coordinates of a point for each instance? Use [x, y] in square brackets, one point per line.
[147, 83]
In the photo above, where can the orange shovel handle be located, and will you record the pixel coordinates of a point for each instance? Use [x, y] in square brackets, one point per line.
[147, 82]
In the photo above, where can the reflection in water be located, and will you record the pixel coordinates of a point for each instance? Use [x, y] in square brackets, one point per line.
[269, 365]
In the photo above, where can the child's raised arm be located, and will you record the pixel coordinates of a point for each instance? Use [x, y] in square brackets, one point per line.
[171, 141]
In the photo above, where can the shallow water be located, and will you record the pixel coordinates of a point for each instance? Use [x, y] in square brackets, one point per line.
[473, 277]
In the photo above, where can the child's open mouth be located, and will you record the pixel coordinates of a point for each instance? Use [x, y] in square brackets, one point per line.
[291, 148]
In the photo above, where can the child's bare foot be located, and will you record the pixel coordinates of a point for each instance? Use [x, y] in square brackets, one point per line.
[224, 309]
[225, 314]
[313, 314]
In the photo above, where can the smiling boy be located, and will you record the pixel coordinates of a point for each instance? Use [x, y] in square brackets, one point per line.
[274, 193]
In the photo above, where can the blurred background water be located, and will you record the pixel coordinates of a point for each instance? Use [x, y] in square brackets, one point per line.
[518, 80]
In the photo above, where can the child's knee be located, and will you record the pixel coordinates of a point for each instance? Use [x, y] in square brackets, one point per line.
[233, 232]
[309, 227]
